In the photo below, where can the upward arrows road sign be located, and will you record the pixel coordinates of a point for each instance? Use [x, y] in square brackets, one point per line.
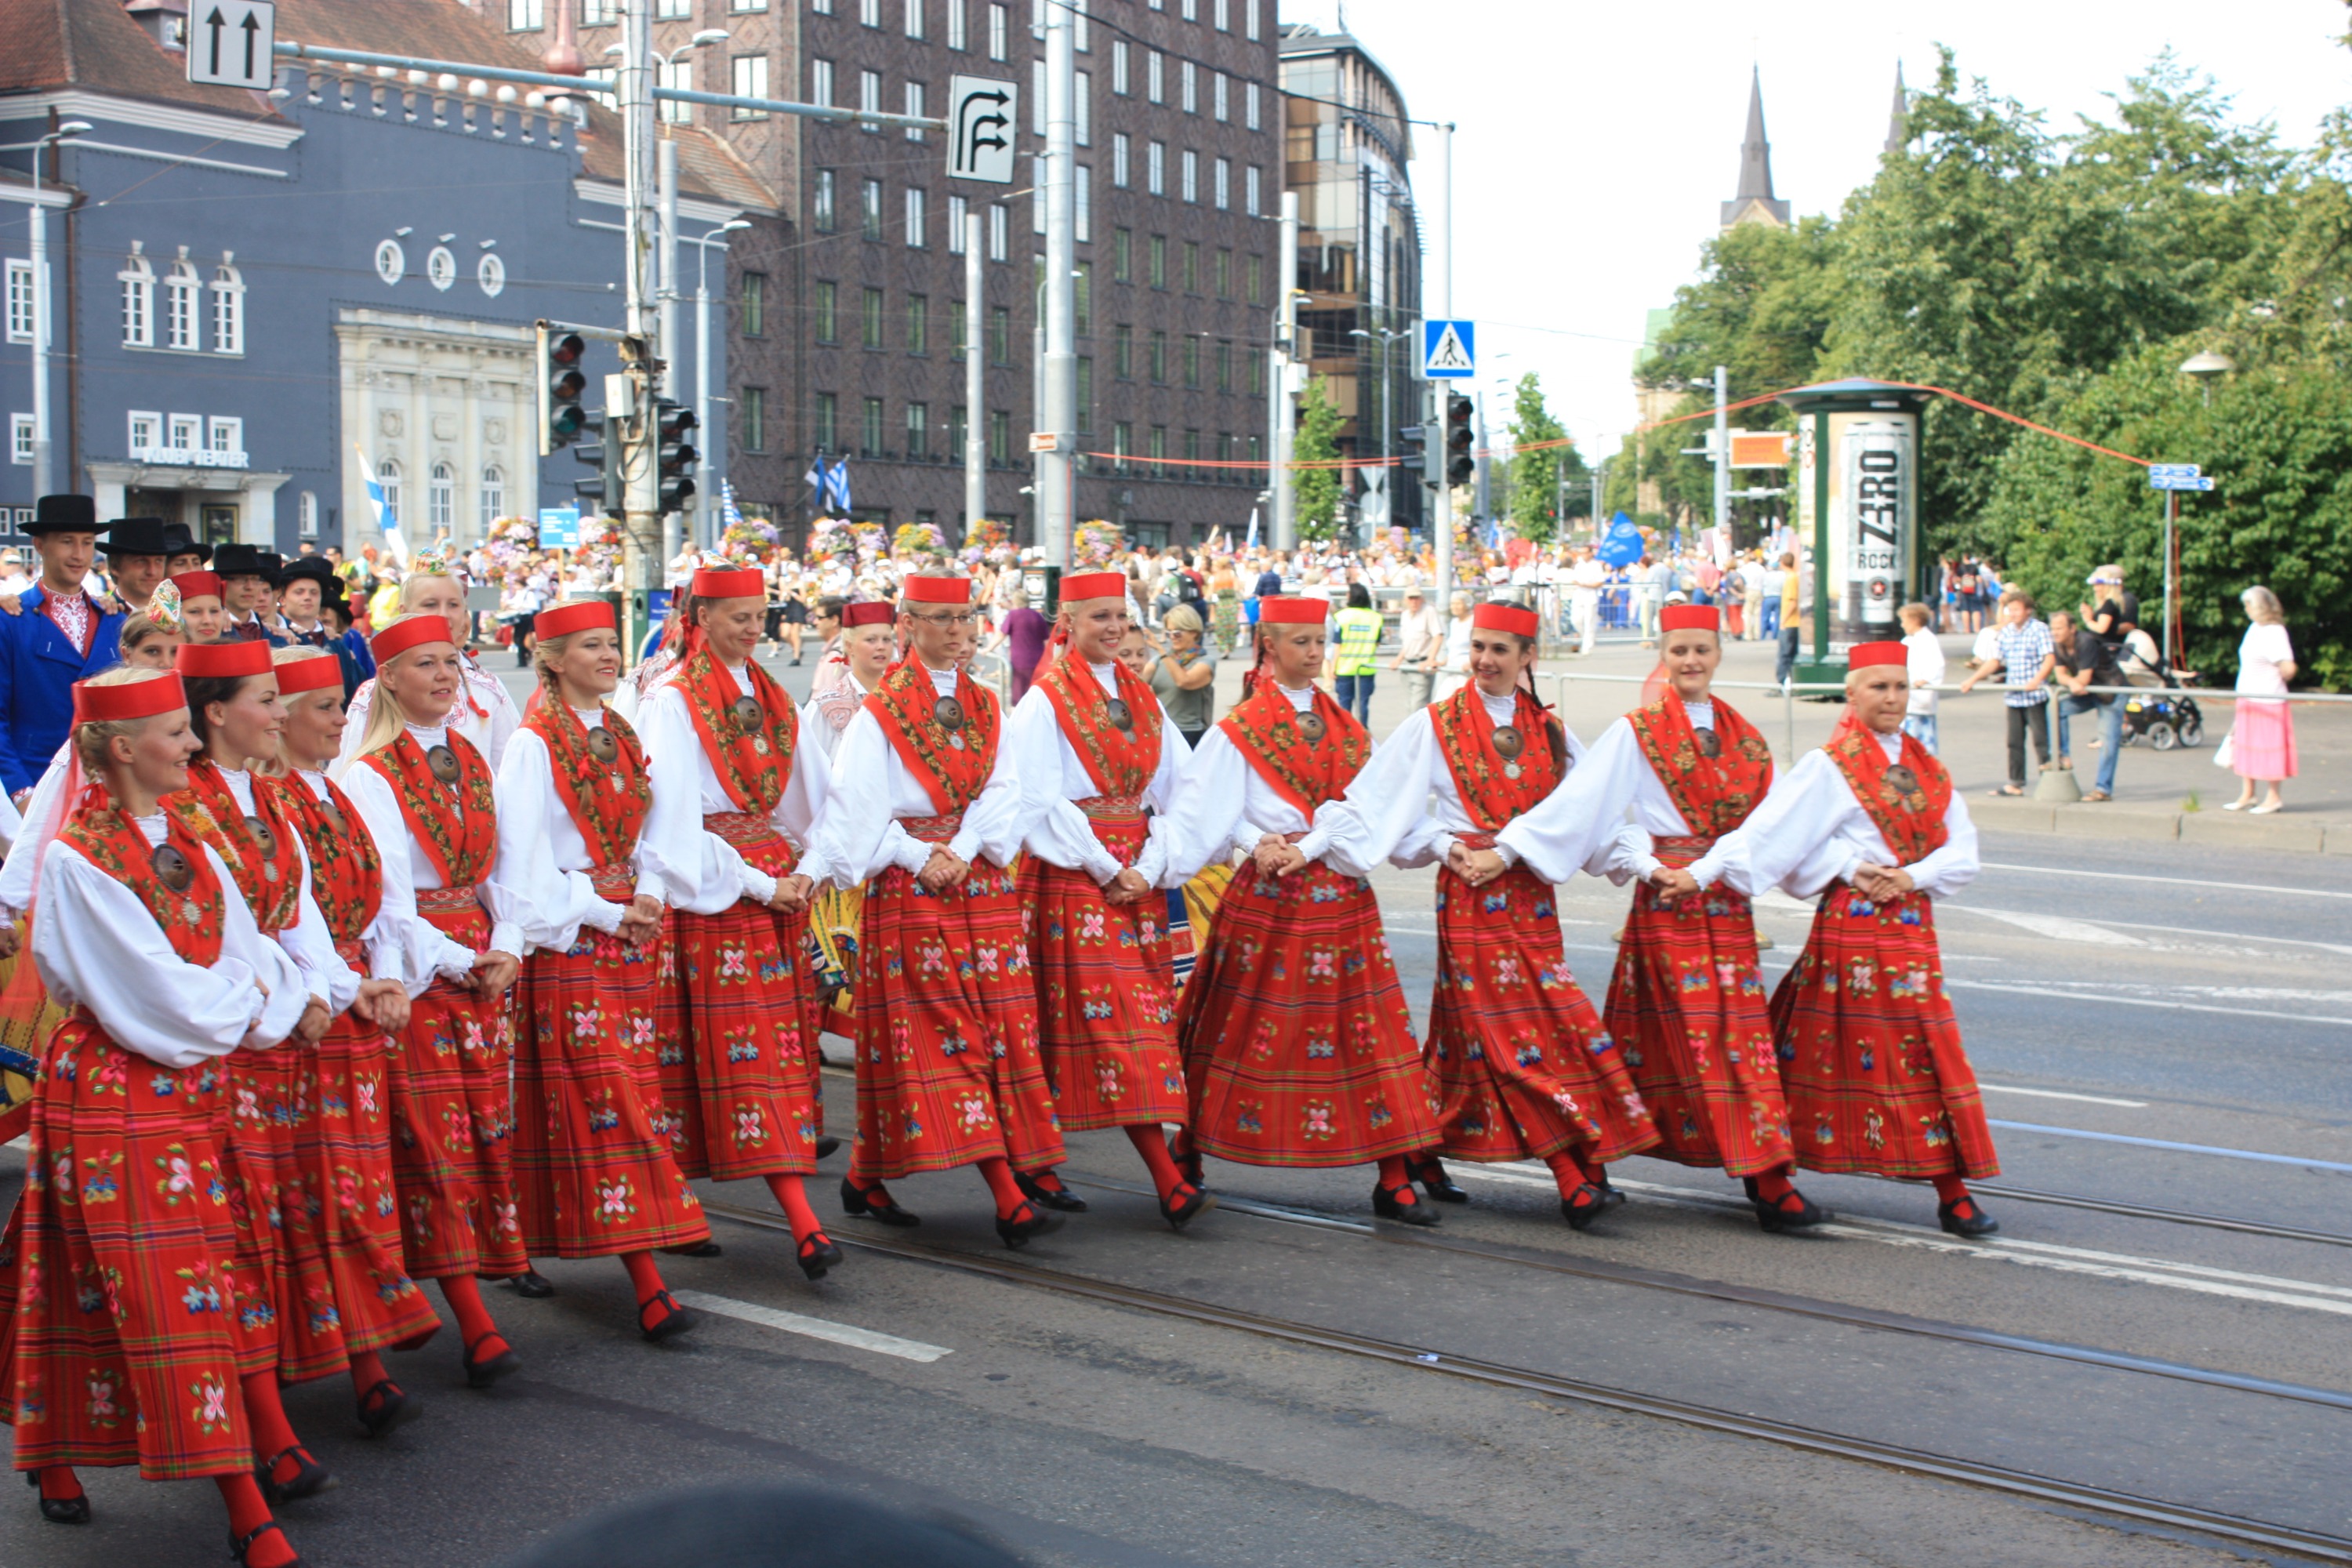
[230, 43]
[1449, 351]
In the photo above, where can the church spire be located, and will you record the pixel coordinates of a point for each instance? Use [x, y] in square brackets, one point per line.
[1755, 202]
[1898, 123]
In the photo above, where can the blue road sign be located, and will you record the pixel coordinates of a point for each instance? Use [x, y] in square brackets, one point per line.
[2159, 472]
[2180, 482]
[1449, 351]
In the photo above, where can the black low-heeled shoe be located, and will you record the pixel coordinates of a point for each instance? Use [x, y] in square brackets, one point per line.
[1060, 1198]
[827, 1144]
[1610, 1196]
[532, 1285]
[674, 1319]
[1405, 1210]
[859, 1203]
[482, 1374]
[819, 1255]
[60, 1510]
[1186, 1156]
[1975, 1222]
[1016, 1231]
[1776, 1219]
[393, 1409]
[1582, 1214]
[1431, 1174]
[239, 1545]
[1192, 1203]
[704, 1248]
[310, 1477]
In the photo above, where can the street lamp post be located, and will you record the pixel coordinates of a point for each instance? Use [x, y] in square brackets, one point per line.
[2203, 367]
[704, 535]
[40, 256]
[1382, 338]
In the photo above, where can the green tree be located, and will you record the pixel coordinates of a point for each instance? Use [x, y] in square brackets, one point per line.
[1533, 493]
[1762, 308]
[1317, 490]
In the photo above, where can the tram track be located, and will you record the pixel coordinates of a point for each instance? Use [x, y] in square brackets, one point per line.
[2263, 1534]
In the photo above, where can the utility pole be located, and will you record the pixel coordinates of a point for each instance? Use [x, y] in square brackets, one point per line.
[1722, 460]
[665, 185]
[975, 311]
[1284, 529]
[630, 432]
[1057, 397]
[1441, 288]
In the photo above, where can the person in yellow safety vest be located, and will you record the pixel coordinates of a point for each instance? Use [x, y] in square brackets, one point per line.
[1358, 630]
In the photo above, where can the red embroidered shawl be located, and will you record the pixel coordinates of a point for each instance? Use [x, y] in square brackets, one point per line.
[608, 801]
[906, 703]
[1714, 793]
[456, 825]
[1304, 773]
[269, 877]
[754, 763]
[1120, 762]
[346, 871]
[191, 919]
[1466, 738]
[1911, 822]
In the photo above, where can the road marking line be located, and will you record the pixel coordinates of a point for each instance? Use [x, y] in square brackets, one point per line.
[815, 1328]
[2057, 927]
[2048, 995]
[2176, 1148]
[2169, 882]
[2190, 1276]
[2058, 1094]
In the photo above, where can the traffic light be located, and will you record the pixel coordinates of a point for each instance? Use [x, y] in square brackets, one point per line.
[1418, 448]
[1461, 465]
[560, 383]
[600, 493]
[673, 433]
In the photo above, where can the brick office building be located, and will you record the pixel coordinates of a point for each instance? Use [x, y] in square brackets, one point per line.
[846, 317]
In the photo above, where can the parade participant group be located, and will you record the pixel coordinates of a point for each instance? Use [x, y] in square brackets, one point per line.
[320, 1003]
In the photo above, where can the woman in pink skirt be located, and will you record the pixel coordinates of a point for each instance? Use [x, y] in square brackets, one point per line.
[2262, 744]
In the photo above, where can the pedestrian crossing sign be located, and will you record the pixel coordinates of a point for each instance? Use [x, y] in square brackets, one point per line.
[1449, 351]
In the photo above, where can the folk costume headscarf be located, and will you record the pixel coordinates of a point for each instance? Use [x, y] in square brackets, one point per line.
[1116, 733]
[1306, 757]
[748, 736]
[600, 774]
[258, 846]
[948, 743]
[346, 871]
[1906, 800]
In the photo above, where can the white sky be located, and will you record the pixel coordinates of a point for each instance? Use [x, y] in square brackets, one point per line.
[1596, 142]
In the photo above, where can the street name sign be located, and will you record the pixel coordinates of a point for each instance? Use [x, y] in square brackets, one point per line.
[231, 42]
[1449, 351]
[982, 123]
[2176, 477]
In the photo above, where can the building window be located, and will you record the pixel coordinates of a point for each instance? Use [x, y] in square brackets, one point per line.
[1119, 146]
[958, 39]
[186, 432]
[745, 6]
[1218, 102]
[1082, 189]
[1191, 361]
[180, 293]
[599, 13]
[1224, 12]
[1155, 168]
[870, 318]
[919, 320]
[1224, 364]
[1122, 442]
[822, 7]
[228, 310]
[957, 430]
[755, 304]
[821, 83]
[1118, 79]
[1192, 267]
[918, 231]
[306, 514]
[1082, 289]
[1249, 105]
[1224, 274]
[1122, 352]
[751, 417]
[821, 210]
[1159, 363]
[441, 500]
[20, 302]
[869, 13]
[869, 97]
[672, 10]
[525, 15]
[822, 422]
[675, 74]
[1188, 77]
[20, 440]
[494, 496]
[1000, 225]
[387, 479]
[225, 435]
[915, 107]
[1082, 106]
[1191, 186]
[1155, 76]
[1158, 446]
[957, 320]
[1000, 334]
[1257, 380]
[145, 429]
[1221, 183]
[957, 211]
[871, 207]
[1086, 393]
[869, 444]
[750, 80]
[1000, 427]
[1253, 279]
[1156, 262]
[1122, 255]
[1250, 190]
[1249, 30]
[1192, 10]
[822, 299]
[919, 430]
[1192, 450]
[1000, 25]
[914, 18]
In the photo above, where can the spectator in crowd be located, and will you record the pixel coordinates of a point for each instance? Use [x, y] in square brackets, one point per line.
[1417, 649]
[1453, 670]
[1184, 677]
[1358, 658]
[1023, 637]
[1751, 598]
[1967, 588]
[2262, 741]
[1585, 582]
[2085, 660]
[2112, 612]
[1924, 657]
[2026, 656]
[1793, 617]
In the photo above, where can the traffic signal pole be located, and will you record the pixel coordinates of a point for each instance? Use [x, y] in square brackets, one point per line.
[1440, 281]
[630, 433]
[975, 385]
[1057, 391]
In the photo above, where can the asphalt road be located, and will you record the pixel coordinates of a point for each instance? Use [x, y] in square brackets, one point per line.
[1292, 1383]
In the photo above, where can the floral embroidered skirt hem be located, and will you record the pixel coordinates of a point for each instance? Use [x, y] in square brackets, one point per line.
[738, 1038]
[1106, 1002]
[453, 1126]
[593, 1178]
[126, 1318]
[345, 1149]
[1297, 1043]
[1686, 1008]
[1523, 1067]
[1871, 1055]
[948, 1064]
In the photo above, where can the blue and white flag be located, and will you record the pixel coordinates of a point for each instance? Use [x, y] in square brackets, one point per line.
[837, 484]
[816, 478]
[1253, 532]
[728, 516]
[385, 522]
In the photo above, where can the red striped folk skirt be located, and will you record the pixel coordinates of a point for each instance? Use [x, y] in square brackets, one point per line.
[1106, 1002]
[948, 1064]
[1296, 1040]
[345, 1152]
[593, 1178]
[1869, 1049]
[739, 1058]
[1522, 1063]
[1686, 1008]
[126, 1317]
[453, 1117]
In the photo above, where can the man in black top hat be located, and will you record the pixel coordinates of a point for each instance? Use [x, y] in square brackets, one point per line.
[302, 591]
[183, 549]
[245, 572]
[138, 557]
[61, 636]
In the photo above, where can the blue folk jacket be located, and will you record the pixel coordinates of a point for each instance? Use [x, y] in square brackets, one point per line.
[37, 670]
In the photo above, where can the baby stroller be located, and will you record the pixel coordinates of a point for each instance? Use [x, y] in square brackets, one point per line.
[2165, 715]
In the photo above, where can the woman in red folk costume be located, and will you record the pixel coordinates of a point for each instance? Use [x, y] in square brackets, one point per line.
[343, 1146]
[1092, 747]
[1870, 1052]
[133, 1319]
[594, 1175]
[426, 797]
[926, 812]
[1298, 1044]
[1686, 1005]
[737, 1025]
[1521, 1061]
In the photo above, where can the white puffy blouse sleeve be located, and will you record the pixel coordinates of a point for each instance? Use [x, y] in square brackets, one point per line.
[547, 901]
[860, 836]
[312, 947]
[1955, 865]
[1581, 826]
[702, 872]
[97, 947]
[25, 843]
[995, 822]
[437, 953]
[1058, 832]
[1795, 840]
[1207, 810]
[1386, 809]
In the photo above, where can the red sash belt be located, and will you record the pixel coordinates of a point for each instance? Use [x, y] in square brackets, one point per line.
[1680, 850]
[1475, 841]
[615, 882]
[741, 828]
[351, 953]
[933, 829]
[1113, 808]
[446, 900]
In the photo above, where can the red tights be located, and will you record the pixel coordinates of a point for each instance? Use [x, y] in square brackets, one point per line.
[248, 1512]
[792, 1197]
[1396, 1174]
[475, 1328]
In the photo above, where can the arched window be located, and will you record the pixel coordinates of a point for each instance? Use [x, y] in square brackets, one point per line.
[493, 497]
[182, 293]
[228, 307]
[307, 510]
[387, 479]
[138, 278]
[441, 500]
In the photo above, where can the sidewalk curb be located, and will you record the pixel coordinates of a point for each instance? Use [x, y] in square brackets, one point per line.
[2303, 835]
